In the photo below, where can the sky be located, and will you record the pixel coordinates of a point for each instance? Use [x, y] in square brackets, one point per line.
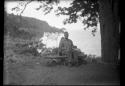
[80, 37]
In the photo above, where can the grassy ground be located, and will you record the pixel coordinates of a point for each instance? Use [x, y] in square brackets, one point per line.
[33, 70]
[37, 72]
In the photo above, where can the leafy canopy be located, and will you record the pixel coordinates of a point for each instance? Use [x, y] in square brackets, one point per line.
[84, 10]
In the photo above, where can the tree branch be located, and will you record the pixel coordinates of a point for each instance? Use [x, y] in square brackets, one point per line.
[25, 7]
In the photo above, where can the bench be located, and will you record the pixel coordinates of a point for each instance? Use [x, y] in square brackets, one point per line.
[56, 58]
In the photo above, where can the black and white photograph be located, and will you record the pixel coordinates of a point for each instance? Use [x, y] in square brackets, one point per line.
[61, 42]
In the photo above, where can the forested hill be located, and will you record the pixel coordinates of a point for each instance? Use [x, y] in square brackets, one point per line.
[26, 27]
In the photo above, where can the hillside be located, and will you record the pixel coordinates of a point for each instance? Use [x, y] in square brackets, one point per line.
[26, 27]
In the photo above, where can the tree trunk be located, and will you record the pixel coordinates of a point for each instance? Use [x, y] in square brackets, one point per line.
[109, 27]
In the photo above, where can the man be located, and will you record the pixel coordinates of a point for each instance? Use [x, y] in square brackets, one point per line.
[65, 47]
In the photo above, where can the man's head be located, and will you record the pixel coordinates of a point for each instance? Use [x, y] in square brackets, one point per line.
[66, 35]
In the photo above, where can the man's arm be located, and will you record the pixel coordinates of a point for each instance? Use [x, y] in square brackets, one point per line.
[71, 47]
[71, 43]
[60, 46]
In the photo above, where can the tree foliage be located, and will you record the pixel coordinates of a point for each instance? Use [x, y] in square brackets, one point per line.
[85, 10]
[81, 8]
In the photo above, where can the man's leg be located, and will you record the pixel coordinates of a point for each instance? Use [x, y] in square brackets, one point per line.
[69, 59]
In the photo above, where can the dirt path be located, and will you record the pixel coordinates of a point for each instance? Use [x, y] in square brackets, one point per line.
[34, 73]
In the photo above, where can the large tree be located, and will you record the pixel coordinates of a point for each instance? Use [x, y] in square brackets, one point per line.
[109, 24]
[90, 12]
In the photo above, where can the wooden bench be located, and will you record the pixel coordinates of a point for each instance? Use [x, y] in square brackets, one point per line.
[56, 58]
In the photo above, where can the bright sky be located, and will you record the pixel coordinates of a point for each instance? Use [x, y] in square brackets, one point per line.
[83, 39]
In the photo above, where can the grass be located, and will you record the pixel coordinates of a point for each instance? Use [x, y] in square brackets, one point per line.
[24, 69]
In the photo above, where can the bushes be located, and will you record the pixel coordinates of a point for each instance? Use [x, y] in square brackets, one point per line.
[31, 51]
[93, 60]
[55, 51]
